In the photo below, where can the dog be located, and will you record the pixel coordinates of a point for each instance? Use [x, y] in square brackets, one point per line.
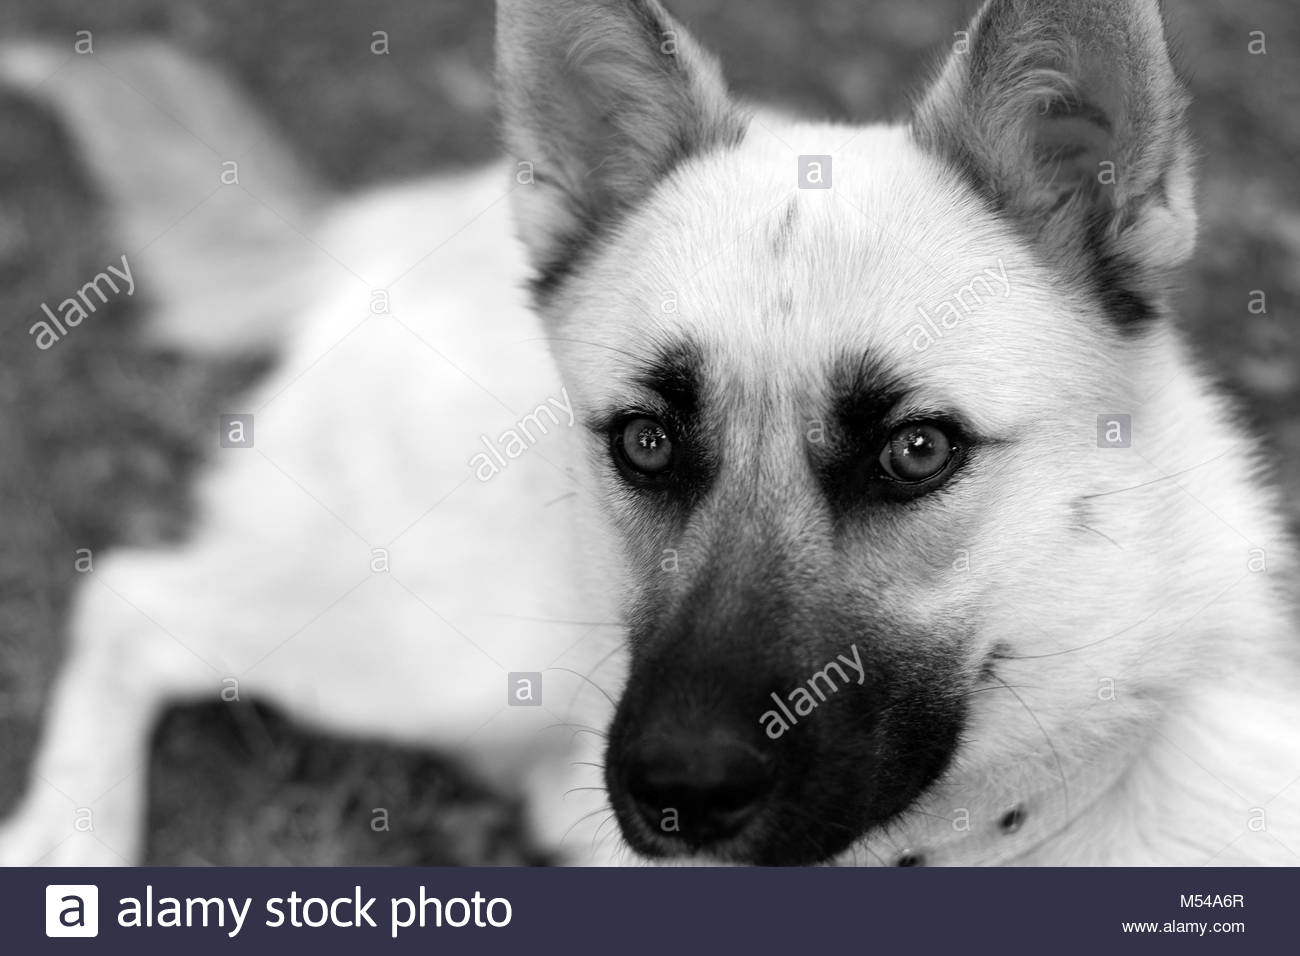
[853, 485]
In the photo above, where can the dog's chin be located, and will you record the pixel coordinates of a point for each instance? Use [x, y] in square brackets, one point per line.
[775, 839]
[734, 852]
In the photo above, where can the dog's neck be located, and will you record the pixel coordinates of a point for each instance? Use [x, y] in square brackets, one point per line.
[1101, 808]
[991, 820]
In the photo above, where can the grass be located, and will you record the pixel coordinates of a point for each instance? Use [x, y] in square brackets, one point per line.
[98, 440]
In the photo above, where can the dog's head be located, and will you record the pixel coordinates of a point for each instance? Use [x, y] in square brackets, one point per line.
[843, 389]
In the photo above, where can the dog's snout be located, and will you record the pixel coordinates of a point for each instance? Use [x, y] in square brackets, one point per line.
[698, 787]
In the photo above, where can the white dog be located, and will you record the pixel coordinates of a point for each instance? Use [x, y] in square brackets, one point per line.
[863, 467]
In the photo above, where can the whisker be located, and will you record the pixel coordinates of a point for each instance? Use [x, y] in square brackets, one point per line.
[1102, 535]
[1155, 481]
[586, 727]
[1081, 647]
[581, 789]
[584, 677]
[927, 813]
[594, 345]
[1060, 767]
[583, 819]
[579, 729]
[605, 658]
[1003, 685]
[595, 836]
[879, 859]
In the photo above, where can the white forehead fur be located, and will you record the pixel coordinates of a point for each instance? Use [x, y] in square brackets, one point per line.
[864, 266]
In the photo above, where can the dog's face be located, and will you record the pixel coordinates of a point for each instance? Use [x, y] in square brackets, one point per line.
[841, 388]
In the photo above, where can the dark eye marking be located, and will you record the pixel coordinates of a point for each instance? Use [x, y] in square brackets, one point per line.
[874, 464]
[658, 441]
[875, 453]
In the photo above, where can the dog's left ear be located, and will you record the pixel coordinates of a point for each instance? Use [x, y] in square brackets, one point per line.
[600, 100]
[1068, 117]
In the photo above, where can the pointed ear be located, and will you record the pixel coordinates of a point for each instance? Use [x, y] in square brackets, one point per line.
[1068, 117]
[600, 100]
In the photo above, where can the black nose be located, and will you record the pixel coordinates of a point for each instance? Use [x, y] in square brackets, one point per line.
[697, 787]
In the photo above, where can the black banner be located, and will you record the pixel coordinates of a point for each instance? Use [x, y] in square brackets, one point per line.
[650, 910]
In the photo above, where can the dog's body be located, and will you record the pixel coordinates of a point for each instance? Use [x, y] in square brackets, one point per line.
[1049, 651]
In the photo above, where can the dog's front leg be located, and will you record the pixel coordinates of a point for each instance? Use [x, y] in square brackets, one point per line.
[85, 799]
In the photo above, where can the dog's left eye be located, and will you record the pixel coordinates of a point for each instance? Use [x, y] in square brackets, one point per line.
[917, 452]
[644, 445]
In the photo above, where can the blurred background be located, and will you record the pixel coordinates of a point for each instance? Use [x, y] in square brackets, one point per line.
[99, 440]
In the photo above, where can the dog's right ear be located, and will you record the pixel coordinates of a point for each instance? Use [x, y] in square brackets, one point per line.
[600, 100]
[1068, 117]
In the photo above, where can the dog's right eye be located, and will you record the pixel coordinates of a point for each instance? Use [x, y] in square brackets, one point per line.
[916, 452]
[643, 444]
[919, 456]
